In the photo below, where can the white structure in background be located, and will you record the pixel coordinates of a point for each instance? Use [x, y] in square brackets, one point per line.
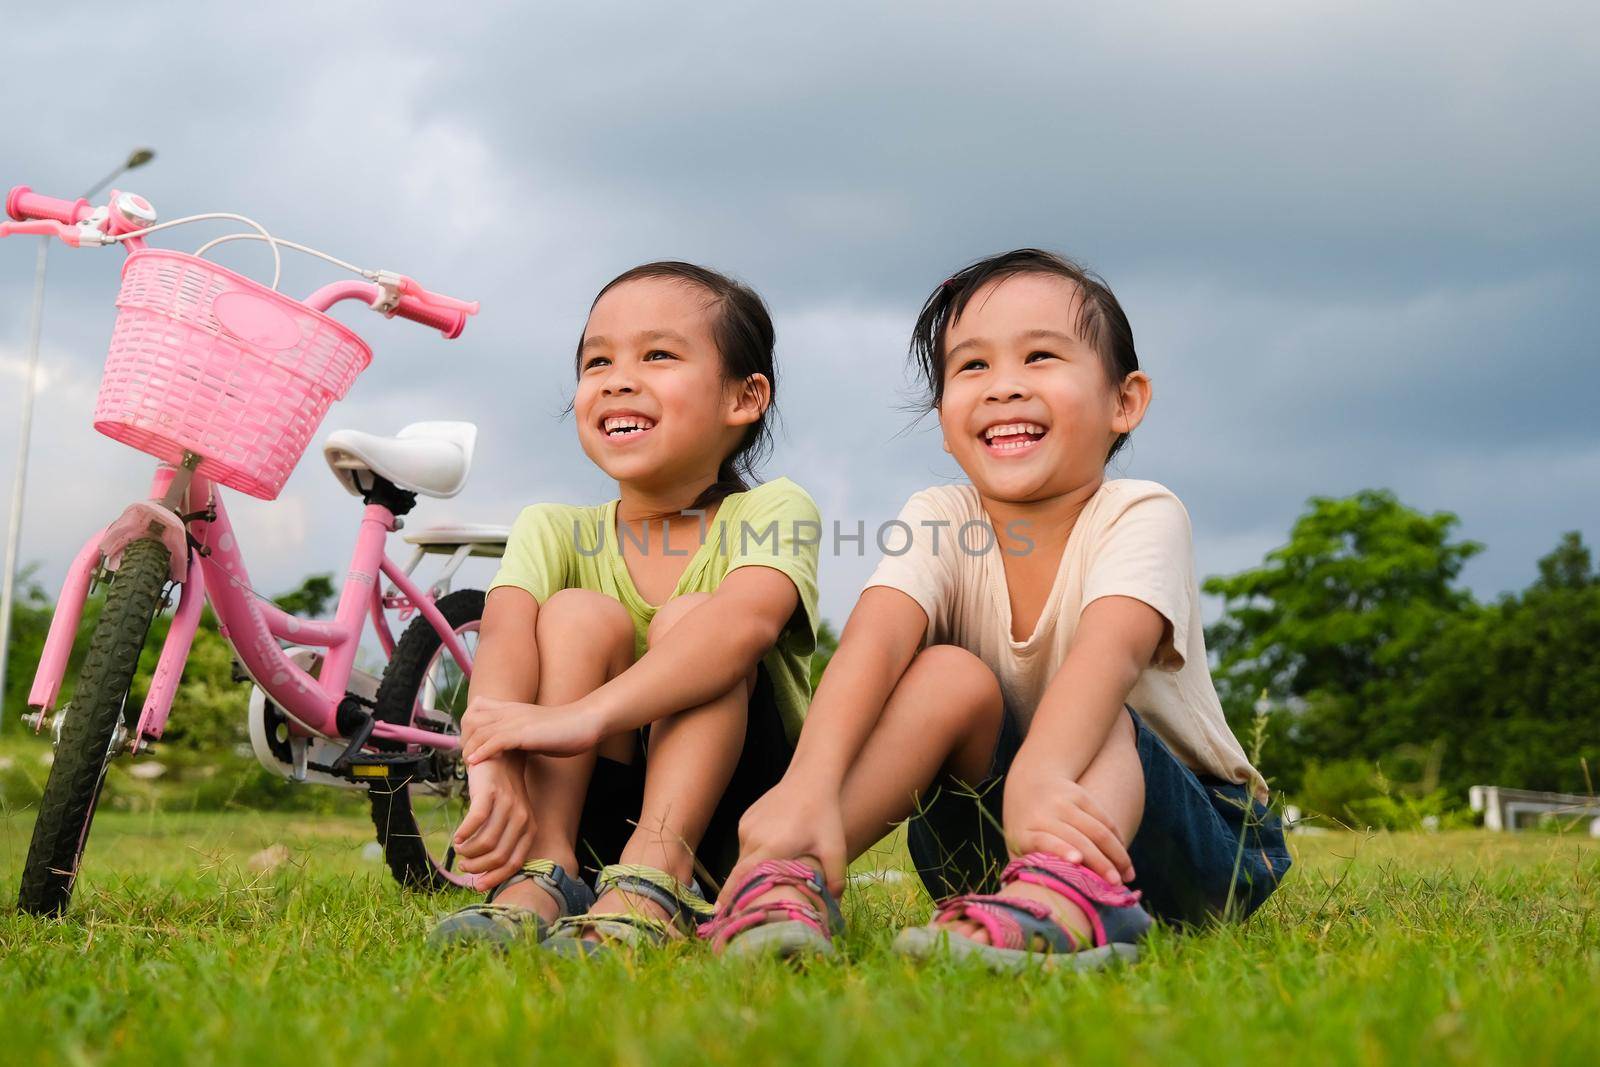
[1515, 809]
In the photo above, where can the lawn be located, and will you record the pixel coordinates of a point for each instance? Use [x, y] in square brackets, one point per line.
[186, 944]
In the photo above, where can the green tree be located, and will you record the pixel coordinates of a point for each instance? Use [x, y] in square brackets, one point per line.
[310, 599]
[1332, 626]
[1512, 692]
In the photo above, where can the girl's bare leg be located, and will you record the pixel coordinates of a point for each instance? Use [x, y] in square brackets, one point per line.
[692, 756]
[584, 640]
[941, 720]
[1115, 779]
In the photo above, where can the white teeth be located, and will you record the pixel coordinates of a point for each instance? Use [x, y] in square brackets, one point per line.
[619, 424]
[1011, 429]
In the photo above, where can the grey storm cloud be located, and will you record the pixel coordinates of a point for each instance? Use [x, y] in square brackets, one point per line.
[1355, 241]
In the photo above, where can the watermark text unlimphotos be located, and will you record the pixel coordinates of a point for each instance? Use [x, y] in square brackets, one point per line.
[975, 537]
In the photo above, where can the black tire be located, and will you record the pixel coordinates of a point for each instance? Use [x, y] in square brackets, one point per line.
[66, 809]
[405, 847]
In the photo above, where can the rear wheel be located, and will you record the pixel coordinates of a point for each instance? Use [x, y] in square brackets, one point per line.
[424, 687]
[84, 743]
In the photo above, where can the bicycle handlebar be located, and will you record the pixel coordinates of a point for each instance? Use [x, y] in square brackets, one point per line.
[24, 205]
[448, 322]
[49, 217]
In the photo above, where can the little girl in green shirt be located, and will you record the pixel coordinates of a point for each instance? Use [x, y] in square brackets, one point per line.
[643, 665]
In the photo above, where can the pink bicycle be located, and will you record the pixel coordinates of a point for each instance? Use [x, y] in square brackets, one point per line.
[225, 381]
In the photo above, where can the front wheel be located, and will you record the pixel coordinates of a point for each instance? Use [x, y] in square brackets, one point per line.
[84, 747]
[424, 687]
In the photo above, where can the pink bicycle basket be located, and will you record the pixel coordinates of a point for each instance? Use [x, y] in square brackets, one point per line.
[207, 361]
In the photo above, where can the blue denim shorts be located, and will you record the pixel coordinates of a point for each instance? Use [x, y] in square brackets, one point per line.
[1206, 849]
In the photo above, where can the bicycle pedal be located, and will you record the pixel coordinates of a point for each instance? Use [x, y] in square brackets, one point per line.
[372, 766]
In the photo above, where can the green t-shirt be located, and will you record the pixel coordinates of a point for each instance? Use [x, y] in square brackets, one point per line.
[562, 546]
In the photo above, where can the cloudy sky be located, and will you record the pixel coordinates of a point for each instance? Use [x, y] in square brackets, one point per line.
[1357, 241]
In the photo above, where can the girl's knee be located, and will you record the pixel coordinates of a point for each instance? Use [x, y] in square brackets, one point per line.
[671, 613]
[966, 684]
[598, 619]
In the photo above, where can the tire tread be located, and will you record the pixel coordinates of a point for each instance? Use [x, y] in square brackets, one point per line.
[392, 817]
[67, 807]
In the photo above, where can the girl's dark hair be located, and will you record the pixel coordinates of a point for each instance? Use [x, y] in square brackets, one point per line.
[1101, 322]
[743, 332]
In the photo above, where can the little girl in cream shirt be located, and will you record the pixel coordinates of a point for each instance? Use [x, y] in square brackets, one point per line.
[1024, 675]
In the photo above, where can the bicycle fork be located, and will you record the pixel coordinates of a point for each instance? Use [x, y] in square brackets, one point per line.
[157, 518]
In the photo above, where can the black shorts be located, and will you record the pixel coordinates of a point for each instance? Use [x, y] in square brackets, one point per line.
[616, 794]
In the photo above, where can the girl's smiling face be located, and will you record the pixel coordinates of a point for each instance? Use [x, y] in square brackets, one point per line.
[1029, 410]
[653, 407]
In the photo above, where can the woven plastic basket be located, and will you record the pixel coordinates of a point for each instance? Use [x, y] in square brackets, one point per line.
[207, 361]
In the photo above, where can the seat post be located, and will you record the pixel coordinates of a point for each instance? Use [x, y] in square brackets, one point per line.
[386, 494]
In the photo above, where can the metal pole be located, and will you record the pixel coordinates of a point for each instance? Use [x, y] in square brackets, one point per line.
[137, 158]
[20, 482]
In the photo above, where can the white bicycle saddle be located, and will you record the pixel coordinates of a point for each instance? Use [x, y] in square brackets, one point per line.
[431, 458]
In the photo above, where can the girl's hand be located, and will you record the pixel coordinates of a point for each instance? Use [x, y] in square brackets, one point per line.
[493, 840]
[794, 821]
[1046, 811]
[492, 726]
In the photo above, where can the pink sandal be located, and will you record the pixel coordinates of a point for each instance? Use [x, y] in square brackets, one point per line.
[784, 928]
[1023, 933]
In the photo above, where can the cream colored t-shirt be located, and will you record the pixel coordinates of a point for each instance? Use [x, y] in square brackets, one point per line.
[1132, 540]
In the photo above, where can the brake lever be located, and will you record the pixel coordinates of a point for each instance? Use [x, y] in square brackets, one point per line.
[84, 233]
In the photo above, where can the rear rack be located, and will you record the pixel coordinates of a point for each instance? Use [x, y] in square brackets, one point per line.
[458, 540]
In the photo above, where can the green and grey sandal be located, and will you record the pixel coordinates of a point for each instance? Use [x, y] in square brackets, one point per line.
[503, 924]
[684, 905]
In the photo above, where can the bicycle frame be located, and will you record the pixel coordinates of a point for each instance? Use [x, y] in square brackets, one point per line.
[253, 626]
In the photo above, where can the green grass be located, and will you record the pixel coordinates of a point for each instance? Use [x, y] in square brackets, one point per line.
[1464, 947]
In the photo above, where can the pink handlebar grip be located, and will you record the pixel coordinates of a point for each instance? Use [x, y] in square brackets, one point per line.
[410, 288]
[448, 322]
[24, 204]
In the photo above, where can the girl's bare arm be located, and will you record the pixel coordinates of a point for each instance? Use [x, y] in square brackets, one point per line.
[1046, 809]
[801, 817]
[493, 838]
[879, 641]
[711, 649]
[507, 664]
[1115, 641]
